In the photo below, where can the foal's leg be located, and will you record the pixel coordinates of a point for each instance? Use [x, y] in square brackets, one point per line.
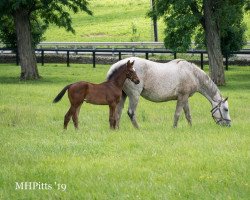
[179, 106]
[67, 117]
[75, 115]
[187, 113]
[75, 119]
[133, 102]
[112, 120]
[119, 108]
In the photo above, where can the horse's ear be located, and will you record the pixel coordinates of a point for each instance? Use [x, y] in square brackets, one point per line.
[128, 63]
[132, 63]
[225, 99]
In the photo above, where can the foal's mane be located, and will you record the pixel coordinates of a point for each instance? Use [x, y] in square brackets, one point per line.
[114, 68]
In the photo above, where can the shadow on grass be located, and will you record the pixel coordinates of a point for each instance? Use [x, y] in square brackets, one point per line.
[238, 78]
[43, 81]
[55, 74]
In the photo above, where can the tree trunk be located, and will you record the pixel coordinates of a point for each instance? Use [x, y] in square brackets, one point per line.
[213, 43]
[24, 43]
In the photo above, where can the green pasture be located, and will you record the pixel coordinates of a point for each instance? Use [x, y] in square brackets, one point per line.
[114, 21]
[204, 161]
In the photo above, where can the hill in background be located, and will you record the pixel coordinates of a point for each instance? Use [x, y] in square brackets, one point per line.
[113, 21]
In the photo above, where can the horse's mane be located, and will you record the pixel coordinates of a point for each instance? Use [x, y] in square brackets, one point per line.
[114, 68]
[207, 85]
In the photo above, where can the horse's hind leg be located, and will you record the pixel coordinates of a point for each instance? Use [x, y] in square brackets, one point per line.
[187, 113]
[119, 108]
[133, 102]
[75, 115]
[67, 117]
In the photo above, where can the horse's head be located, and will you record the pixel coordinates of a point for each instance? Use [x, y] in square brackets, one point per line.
[220, 113]
[131, 74]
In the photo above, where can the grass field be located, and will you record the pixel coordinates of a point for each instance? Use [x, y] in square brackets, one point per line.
[156, 162]
[113, 20]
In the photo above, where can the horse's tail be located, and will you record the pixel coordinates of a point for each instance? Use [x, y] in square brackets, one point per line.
[61, 94]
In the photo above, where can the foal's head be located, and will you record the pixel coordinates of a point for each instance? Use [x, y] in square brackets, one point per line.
[130, 73]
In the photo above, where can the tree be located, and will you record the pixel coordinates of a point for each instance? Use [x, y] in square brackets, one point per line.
[24, 13]
[8, 33]
[216, 24]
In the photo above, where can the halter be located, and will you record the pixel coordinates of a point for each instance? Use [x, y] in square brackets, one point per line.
[217, 107]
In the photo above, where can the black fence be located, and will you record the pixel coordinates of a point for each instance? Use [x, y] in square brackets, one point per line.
[121, 52]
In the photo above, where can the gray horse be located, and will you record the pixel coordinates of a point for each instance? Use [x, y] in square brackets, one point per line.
[175, 80]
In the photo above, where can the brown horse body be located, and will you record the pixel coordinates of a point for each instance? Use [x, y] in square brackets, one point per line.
[106, 93]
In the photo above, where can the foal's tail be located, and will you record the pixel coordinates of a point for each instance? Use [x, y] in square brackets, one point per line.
[60, 95]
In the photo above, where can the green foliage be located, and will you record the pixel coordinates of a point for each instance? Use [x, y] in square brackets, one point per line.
[230, 15]
[184, 21]
[8, 34]
[204, 161]
[247, 5]
[181, 22]
[180, 26]
[41, 14]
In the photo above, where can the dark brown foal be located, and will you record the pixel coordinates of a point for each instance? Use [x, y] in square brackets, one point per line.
[106, 93]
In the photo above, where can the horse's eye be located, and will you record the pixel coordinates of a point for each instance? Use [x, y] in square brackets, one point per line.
[225, 109]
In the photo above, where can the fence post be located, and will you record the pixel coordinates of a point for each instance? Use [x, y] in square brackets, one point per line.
[93, 59]
[42, 58]
[146, 54]
[120, 55]
[67, 58]
[202, 61]
[175, 56]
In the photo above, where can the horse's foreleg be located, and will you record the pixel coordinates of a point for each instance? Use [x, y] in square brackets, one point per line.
[133, 102]
[119, 109]
[187, 113]
[179, 106]
[112, 120]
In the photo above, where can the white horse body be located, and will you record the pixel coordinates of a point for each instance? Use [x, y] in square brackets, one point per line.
[159, 82]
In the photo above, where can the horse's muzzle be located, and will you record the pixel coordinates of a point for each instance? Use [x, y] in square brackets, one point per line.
[226, 123]
[137, 82]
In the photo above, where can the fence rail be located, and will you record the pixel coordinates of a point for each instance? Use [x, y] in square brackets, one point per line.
[93, 45]
[120, 51]
[77, 45]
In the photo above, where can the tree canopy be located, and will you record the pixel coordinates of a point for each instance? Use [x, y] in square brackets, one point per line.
[41, 13]
[185, 23]
[23, 22]
[215, 24]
